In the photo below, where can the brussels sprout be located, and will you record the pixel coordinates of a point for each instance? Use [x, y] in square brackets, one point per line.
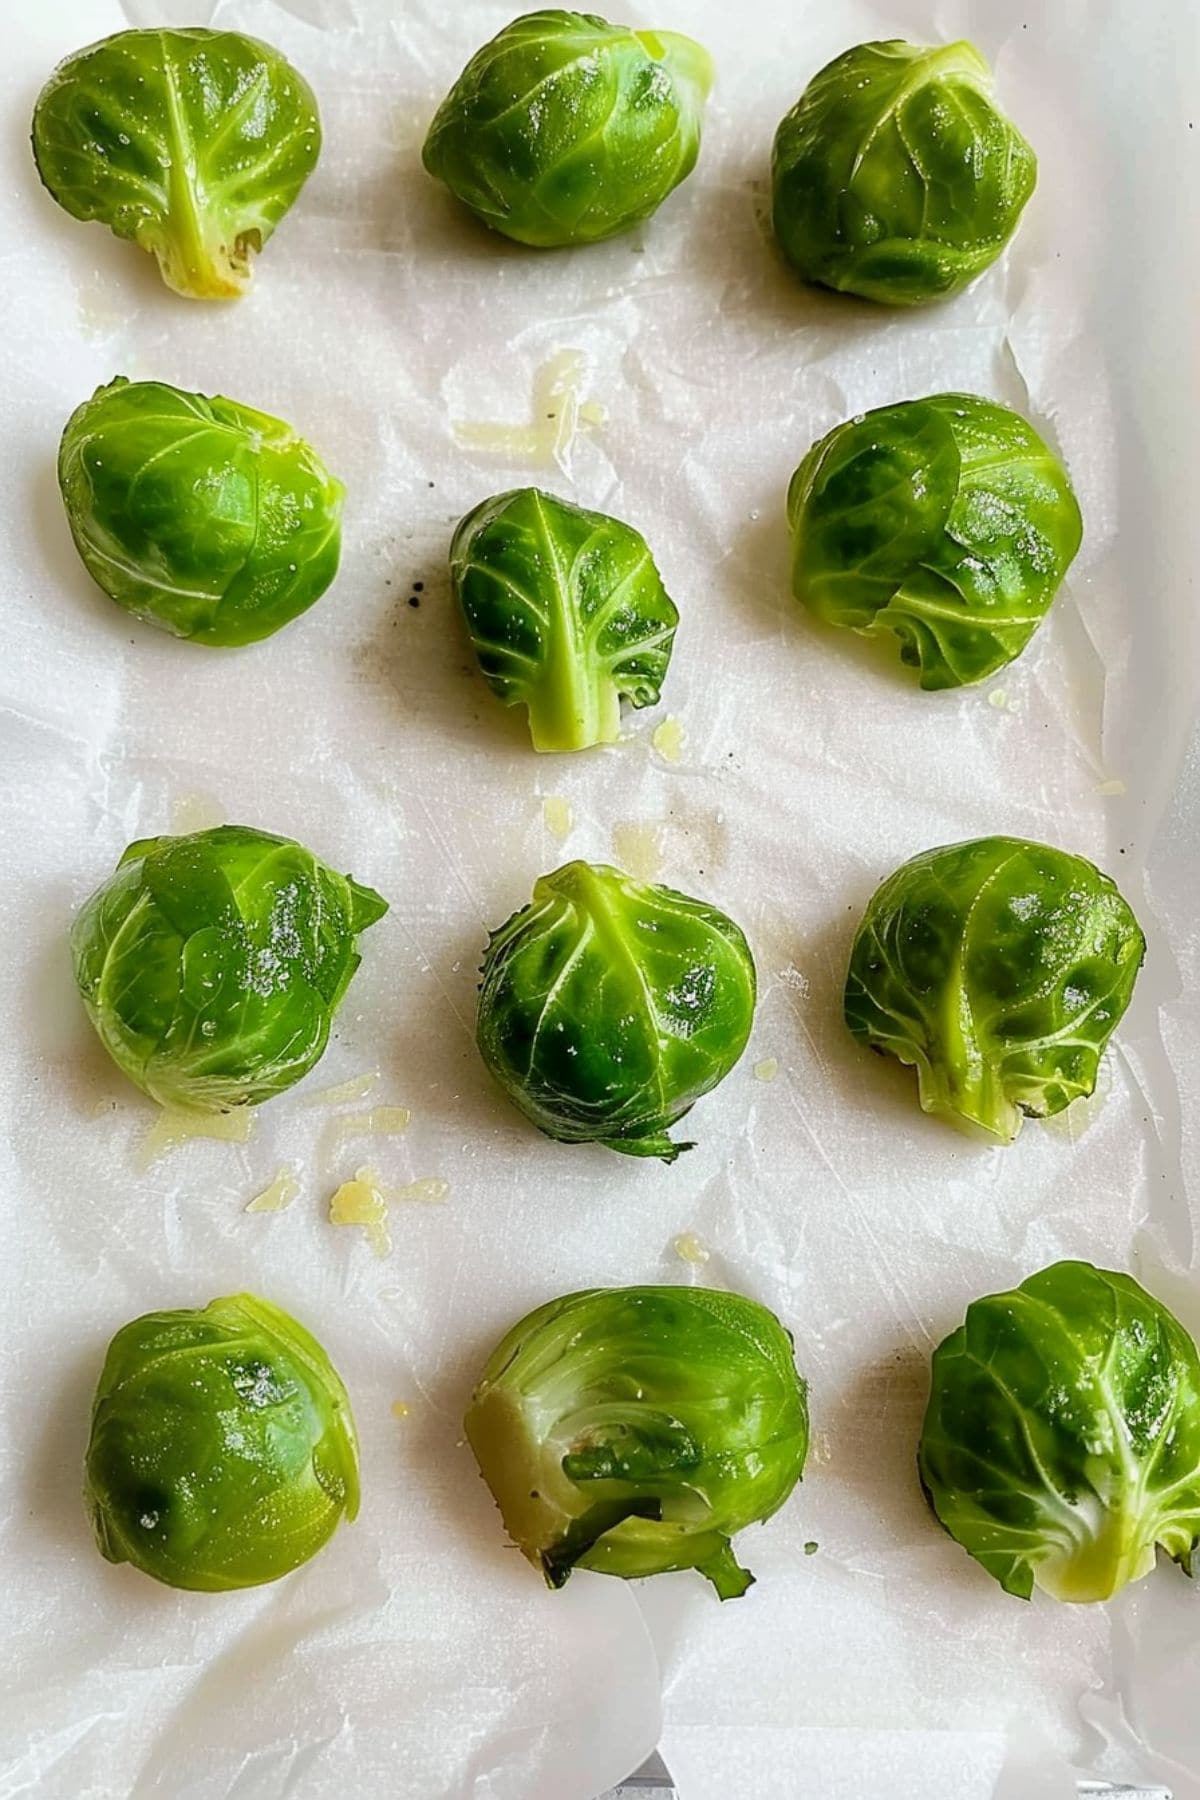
[565, 129]
[211, 965]
[204, 517]
[608, 1007]
[634, 1430]
[222, 1451]
[946, 521]
[1062, 1440]
[192, 143]
[567, 614]
[1000, 968]
[895, 176]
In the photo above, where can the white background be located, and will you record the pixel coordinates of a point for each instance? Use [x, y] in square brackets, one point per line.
[418, 1656]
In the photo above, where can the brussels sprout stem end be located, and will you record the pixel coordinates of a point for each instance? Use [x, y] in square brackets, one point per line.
[976, 1103]
[571, 710]
[1117, 1554]
[190, 264]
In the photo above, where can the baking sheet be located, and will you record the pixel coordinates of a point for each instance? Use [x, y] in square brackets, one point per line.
[418, 1656]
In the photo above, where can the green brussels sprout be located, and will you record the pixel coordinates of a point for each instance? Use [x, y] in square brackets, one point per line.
[1000, 969]
[607, 1007]
[565, 129]
[634, 1430]
[222, 1452]
[192, 143]
[204, 517]
[212, 965]
[946, 521]
[567, 614]
[1062, 1440]
[895, 177]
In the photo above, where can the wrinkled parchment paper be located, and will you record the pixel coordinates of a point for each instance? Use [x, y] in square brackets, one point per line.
[687, 373]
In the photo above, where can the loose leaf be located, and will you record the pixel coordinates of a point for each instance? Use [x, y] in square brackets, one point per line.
[193, 143]
[567, 614]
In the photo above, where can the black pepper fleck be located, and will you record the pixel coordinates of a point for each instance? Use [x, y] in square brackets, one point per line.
[413, 601]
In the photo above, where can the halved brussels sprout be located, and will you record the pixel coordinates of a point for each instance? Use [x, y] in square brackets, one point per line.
[565, 129]
[222, 1451]
[204, 517]
[1062, 1440]
[895, 176]
[567, 614]
[1000, 969]
[634, 1430]
[946, 521]
[212, 965]
[608, 1007]
[193, 143]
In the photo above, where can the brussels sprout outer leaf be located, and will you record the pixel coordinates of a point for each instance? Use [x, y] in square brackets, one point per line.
[212, 965]
[204, 517]
[946, 521]
[222, 1450]
[895, 177]
[869, 503]
[565, 129]
[193, 143]
[633, 1430]
[567, 614]
[665, 1148]
[583, 1533]
[1062, 1439]
[366, 906]
[999, 968]
[608, 1007]
[726, 1574]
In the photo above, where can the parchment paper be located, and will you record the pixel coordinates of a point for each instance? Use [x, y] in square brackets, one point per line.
[418, 1656]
